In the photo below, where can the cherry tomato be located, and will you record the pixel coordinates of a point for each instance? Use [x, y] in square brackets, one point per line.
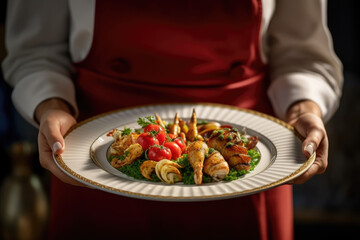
[171, 136]
[146, 140]
[161, 137]
[181, 143]
[175, 150]
[158, 131]
[157, 153]
[153, 127]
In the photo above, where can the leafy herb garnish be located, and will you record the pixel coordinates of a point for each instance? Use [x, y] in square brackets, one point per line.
[144, 121]
[126, 131]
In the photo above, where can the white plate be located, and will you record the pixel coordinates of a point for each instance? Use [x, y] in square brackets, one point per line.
[86, 145]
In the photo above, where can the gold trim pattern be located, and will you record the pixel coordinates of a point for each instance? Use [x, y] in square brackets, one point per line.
[284, 180]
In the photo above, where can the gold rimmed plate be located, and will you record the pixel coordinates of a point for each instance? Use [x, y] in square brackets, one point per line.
[86, 148]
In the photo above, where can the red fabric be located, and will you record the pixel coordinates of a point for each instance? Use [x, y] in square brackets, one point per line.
[172, 51]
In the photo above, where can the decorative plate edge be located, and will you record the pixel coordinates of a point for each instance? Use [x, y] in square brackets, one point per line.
[284, 180]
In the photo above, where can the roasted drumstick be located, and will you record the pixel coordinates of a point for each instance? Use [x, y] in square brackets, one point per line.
[196, 155]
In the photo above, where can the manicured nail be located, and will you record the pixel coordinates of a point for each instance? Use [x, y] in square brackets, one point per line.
[310, 149]
[56, 147]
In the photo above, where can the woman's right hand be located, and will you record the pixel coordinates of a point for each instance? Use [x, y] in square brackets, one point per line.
[55, 118]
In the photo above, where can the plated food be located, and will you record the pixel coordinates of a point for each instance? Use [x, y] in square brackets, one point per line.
[88, 149]
[191, 152]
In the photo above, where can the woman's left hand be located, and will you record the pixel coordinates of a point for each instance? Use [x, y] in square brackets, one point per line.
[305, 117]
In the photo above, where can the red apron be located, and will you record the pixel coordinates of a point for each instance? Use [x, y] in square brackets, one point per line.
[172, 51]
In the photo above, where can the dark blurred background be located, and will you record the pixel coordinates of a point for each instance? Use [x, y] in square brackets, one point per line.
[328, 206]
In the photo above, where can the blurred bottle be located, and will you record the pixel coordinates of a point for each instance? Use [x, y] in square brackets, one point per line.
[23, 202]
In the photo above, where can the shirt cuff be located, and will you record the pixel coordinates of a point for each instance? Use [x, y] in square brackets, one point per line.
[38, 87]
[293, 87]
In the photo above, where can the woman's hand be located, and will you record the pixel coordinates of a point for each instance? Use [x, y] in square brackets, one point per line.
[55, 119]
[305, 117]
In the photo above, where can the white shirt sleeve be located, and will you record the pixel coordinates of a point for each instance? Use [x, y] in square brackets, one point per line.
[302, 62]
[38, 63]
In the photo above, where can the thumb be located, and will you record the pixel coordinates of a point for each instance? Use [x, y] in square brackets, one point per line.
[313, 130]
[53, 126]
[53, 136]
[58, 147]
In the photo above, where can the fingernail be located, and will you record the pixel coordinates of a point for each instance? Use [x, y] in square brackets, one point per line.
[309, 148]
[56, 147]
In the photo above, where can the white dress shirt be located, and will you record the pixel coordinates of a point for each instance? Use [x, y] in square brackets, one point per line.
[44, 38]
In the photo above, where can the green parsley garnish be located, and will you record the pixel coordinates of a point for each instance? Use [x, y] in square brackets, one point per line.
[235, 174]
[143, 122]
[126, 131]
